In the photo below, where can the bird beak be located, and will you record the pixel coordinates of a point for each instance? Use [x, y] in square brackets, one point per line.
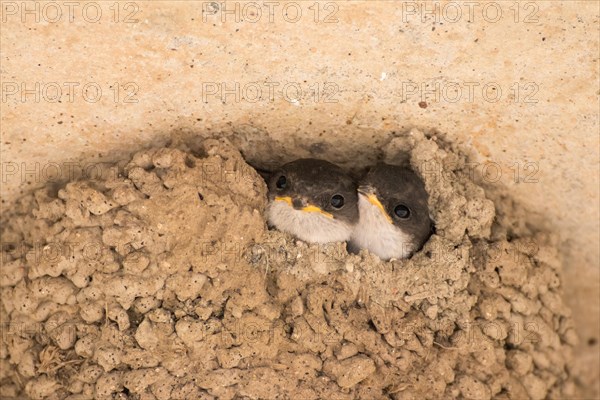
[369, 193]
[366, 189]
[303, 205]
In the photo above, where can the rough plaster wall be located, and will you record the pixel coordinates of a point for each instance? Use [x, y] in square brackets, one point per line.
[388, 67]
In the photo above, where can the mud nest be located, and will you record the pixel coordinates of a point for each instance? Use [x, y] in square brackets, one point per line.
[160, 280]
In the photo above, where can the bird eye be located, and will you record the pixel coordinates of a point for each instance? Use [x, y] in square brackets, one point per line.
[281, 182]
[337, 201]
[402, 211]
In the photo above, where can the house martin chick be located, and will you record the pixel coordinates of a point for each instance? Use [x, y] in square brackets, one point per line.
[314, 200]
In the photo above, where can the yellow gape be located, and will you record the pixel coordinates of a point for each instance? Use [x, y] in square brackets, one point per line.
[375, 201]
[311, 208]
[308, 208]
[284, 199]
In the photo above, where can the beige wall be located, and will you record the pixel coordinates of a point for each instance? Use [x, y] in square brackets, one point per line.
[519, 90]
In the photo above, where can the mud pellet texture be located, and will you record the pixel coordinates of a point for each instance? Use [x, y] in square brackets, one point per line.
[162, 281]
